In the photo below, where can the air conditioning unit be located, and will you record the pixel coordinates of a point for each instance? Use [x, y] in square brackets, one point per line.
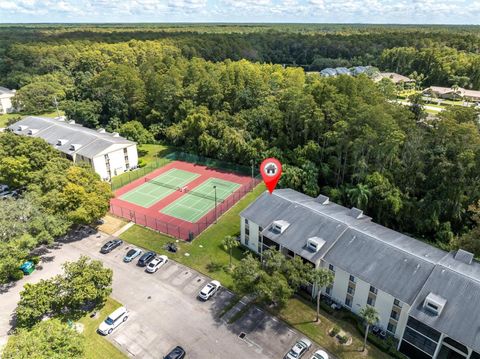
[115, 134]
[32, 131]
[74, 147]
[434, 304]
[71, 122]
[61, 142]
[314, 244]
[101, 130]
[22, 128]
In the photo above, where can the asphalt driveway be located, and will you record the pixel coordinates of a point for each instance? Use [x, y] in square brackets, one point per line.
[165, 311]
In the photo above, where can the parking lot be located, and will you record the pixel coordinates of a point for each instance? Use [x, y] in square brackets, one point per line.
[165, 312]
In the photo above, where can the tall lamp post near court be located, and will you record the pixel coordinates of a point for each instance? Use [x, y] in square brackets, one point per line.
[215, 191]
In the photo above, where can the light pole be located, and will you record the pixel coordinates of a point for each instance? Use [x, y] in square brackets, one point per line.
[215, 191]
[252, 162]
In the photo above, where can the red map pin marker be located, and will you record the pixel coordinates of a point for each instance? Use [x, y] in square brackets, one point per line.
[271, 170]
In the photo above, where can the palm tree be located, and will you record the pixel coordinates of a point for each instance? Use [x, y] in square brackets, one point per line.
[359, 195]
[229, 243]
[370, 316]
[320, 278]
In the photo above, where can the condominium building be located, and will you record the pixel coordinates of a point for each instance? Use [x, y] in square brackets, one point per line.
[107, 153]
[426, 298]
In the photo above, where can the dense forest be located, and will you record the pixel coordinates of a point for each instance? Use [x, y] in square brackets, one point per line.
[225, 92]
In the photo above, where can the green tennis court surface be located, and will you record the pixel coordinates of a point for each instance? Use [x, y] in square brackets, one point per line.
[150, 193]
[197, 202]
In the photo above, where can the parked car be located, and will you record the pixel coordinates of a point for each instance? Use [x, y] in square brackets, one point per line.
[113, 321]
[156, 263]
[320, 354]
[146, 258]
[300, 348]
[176, 353]
[132, 254]
[209, 290]
[110, 246]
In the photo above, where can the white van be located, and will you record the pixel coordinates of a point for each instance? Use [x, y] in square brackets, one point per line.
[113, 320]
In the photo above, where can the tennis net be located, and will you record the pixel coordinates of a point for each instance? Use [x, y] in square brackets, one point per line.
[203, 195]
[166, 185]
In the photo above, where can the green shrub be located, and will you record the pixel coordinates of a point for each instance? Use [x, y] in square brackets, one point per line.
[342, 339]
[141, 163]
[35, 260]
[335, 331]
[327, 308]
[16, 275]
[214, 267]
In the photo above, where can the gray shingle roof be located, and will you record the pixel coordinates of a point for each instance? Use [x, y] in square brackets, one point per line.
[90, 143]
[389, 260]
[393, 270]
[459, 284]
[404, 267]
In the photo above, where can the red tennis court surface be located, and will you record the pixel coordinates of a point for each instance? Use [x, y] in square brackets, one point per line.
[151, 216]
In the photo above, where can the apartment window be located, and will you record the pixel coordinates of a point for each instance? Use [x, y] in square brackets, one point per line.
[348, 301]
[352, 278]
[247, 229]
[475, 355]
[373, 289]
[247, 239]
[423, 329]
[392, 328]
[351, 290]
[397, 303]
[371, 301]
[394, 315]
[418, 340]
[328, 290]
[246, 222]
[456, 345]
[331, 267]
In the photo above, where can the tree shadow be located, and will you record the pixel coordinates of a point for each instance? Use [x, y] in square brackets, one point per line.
[4, 288]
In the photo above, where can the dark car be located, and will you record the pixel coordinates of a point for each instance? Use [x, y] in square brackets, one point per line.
[110, 246]
[146, 258]
[176, 353]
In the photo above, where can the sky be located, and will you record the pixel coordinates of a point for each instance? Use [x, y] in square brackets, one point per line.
[301, 11]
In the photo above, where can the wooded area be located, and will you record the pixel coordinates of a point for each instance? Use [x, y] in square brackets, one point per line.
[191, 87]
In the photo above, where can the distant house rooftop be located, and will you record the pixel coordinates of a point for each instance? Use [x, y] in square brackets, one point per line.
[394, 77]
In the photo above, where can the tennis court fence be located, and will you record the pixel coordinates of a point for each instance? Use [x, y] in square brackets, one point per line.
[181, 229]
[130, 176]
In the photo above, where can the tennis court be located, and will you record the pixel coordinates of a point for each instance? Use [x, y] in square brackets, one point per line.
[149, 193]
[178, 199]
[197, 202]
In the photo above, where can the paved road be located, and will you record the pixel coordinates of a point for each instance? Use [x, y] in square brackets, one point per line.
[165, 311]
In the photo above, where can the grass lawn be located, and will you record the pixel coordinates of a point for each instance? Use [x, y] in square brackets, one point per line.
[97, 347]
[111, 224]
[152, 156]
[206, 249]
[301, 315]
[153, 151]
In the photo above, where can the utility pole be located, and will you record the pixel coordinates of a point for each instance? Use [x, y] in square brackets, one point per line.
[252, 162]
[56, 105]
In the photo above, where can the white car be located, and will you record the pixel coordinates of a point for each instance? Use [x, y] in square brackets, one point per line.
[156, 263]
[320, 354]
[301, 347]
[209, 290]
[113, 320]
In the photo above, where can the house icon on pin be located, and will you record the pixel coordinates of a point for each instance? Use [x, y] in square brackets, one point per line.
[270, 169]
